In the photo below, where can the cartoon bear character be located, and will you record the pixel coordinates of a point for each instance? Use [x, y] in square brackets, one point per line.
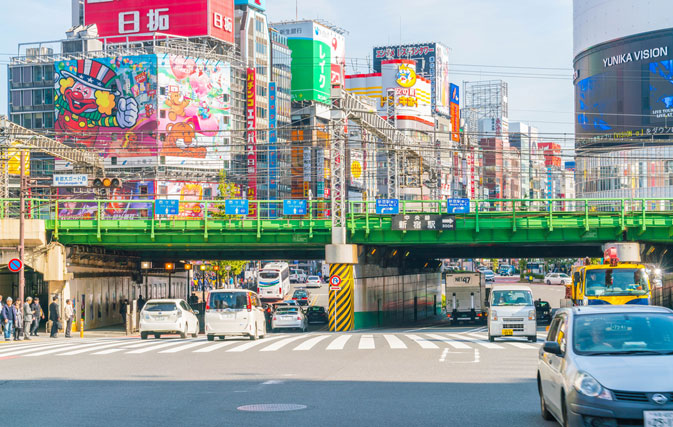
[181, 140]
[176, 105]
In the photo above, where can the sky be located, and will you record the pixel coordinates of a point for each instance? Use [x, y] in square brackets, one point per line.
[527, 43]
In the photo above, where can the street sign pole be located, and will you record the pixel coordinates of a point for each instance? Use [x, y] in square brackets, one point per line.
[22, 219]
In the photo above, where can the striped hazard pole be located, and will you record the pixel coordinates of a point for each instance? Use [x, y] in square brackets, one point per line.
[340, 297]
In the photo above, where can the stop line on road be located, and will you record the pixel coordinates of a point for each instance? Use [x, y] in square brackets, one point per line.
[299, 342]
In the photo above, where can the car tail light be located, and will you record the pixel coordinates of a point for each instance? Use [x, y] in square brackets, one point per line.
[208, 301]
[294, 297]
[275, 318]
[478, 314]
[249, 305]
[298, 317]
[448, 315]
[304, 298]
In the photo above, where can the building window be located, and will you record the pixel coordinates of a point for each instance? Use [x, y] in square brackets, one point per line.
[37, 97]
[16, 98]
[27, 75]
[27, 98]
[48, 120]
[37, 74]
[37, 121]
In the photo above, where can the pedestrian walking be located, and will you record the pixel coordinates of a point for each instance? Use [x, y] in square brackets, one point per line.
[18, 323]
[69, 317]
[27, 318]
[55, 317]
[38, 315]
[8, 318]
[141, 302]
[122, 310]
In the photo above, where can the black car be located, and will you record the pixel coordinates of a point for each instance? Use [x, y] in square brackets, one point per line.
[316, 314]
[543, 311]
[301, 296]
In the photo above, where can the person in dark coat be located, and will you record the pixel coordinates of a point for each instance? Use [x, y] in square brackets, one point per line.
[8, 318]
[141, 302]
[38, 315]
[122, 310]
[54, 316]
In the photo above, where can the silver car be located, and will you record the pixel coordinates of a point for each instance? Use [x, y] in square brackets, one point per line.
[289, 317]
[608, 366]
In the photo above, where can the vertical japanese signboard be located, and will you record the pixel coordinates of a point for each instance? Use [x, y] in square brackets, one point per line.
[455, 113]
[251, 139]
[273, 139]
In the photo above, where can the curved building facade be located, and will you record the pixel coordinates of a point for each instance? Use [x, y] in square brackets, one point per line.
[623, 78]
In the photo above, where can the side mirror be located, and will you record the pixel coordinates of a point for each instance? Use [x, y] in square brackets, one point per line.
[552, 347]
[196, 311]
[576, 277]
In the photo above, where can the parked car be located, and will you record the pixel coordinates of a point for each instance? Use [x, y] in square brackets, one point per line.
[506, 270]
[608, 365]
[543, 311]
[234, 312]
[297, 275]
[313, 282]
[316, 314]
[489, 275]
[168, 316]
[286, 317]
[301, 296]
[557, 279]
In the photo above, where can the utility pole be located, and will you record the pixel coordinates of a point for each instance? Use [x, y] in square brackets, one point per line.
[22, 225]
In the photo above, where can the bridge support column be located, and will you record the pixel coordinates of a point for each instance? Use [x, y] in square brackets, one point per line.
[341, 257]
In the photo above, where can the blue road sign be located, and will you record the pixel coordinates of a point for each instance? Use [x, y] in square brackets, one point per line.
[167, 207]
[236, 207]
[387, 206]
[294, 207]
[458, 206]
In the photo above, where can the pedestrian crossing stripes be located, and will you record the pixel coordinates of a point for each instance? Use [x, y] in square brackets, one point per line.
[420, 339]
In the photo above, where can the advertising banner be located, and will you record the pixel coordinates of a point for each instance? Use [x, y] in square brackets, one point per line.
[135, 191]
[191, 192]
[273, 139]
[109, 104]
[188, 18]
[251, 139]
[455, 112]
[412, 92]
[194, 111]
[357, 169]
[257, 4]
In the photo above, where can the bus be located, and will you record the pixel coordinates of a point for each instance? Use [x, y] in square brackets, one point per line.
[273, 281]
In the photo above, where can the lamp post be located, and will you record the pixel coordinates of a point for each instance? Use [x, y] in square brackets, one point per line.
[169, 266]
[145, 266]
[216, 269]
[202, 267]
[188, 268]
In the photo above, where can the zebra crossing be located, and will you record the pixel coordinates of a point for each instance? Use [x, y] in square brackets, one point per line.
[316, 341]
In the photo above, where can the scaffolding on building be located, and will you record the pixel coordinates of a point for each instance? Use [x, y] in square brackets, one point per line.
[483, 99]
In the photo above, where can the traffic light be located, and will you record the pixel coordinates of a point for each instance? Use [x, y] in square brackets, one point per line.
[107, 182]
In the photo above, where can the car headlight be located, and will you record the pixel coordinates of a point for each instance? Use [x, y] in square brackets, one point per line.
[531, 315]
[588, 386]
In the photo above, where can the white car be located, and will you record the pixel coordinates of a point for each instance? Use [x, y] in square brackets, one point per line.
[234, 312]
[511, 313]
[313, 282]
[557, 279]
[608, 365]
[288, 317]
[168, 316]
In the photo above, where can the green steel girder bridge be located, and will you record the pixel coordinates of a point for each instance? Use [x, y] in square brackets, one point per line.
[201, 229]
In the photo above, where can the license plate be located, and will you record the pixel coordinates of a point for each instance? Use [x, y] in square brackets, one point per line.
[508, 331]
[159, 317]
[658, 418]
[227, 316]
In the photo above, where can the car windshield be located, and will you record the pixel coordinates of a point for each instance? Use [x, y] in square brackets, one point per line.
[234, 300]
[616, 282]
[268, 274]
[314, 308]
[313, 278]
[287, 310]
[512, 297]
[623, 334]
[160, 306]
[300, 293]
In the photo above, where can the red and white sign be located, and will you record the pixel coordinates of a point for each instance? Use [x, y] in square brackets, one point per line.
[15, 265]
[251, 142]
[187, 18]
[335, 283]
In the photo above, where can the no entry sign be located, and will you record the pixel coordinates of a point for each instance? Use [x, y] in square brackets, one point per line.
[14, 265]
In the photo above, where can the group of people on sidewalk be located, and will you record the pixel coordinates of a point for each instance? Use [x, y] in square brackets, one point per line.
[21, 320]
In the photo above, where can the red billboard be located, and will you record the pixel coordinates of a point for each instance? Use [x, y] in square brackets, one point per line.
[187, 18]
[251, 144]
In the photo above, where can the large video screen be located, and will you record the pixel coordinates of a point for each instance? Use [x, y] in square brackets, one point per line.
[624, 89]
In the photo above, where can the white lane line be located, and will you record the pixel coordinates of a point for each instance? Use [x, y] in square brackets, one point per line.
[282, 343]
[309, 344]
[155, 347]
[476, 341]
[184, 347]
[213, 347]
[339, 342]
[481, 329]
[366, 342]
[251, 344]
[89, 347]
[477, 357]
[124, 346]
[12, 349]
[422, 341]
[443, 356]
[52, 350]
[449, 341]
[394, 342]
[522, 345]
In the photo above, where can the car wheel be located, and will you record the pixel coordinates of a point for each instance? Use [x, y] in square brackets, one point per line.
[490, 338]
[210, 337]
[549, 282]
[564, 410]
[546, 415]
[222, 337]
[183, 334]
[157, 336]
[143, 335]
[532, 339]
[563, 282]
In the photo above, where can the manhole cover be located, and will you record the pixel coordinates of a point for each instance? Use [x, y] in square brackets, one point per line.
[271, 407]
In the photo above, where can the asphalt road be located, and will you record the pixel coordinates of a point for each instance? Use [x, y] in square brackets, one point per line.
[434, 376]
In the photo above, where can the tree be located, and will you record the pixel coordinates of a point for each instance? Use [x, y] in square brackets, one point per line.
[226, 191]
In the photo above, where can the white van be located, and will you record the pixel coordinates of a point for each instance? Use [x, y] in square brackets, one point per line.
[235, 312]
[511, 313]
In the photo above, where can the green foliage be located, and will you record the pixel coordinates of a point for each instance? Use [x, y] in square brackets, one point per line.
[226, 191]
[235, 267]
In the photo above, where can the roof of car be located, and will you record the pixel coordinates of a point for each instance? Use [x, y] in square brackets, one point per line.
[627, 308]
[164, 300]
[510, 288]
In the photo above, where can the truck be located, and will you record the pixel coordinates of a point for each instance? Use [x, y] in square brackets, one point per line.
[466, 295]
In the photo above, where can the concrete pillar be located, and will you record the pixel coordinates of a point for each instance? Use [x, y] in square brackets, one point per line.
[341, 301]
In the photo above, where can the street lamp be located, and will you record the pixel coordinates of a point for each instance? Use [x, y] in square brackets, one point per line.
[202, 267]
[146, 265]
[216, 269]
[188, 268]
[169, 266]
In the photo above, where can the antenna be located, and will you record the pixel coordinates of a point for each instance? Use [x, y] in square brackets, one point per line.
[296, 10]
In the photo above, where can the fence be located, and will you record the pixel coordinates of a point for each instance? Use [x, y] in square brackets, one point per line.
[664, 296]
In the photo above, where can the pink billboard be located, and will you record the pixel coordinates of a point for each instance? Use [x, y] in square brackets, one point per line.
[187, 18]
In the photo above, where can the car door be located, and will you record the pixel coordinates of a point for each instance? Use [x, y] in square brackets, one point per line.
[557, 366]
[191, 318]
[546, 374]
